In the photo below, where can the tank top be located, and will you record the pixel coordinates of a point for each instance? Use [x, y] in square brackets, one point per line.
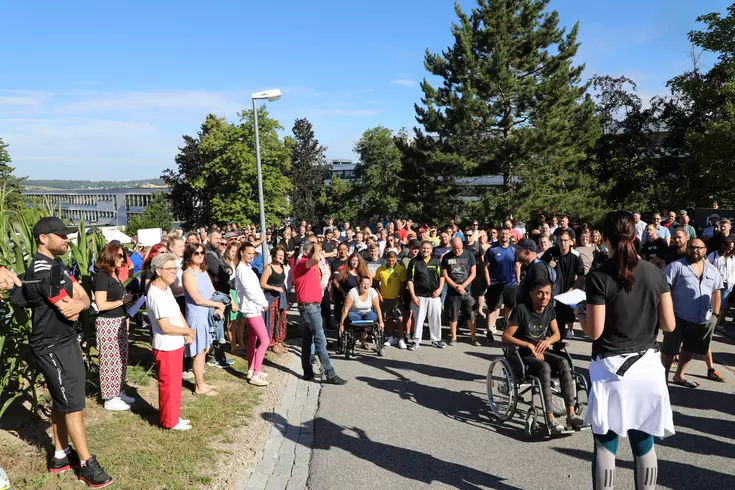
[276, 280]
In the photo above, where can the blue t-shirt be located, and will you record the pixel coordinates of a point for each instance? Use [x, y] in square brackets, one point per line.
[503, 262]
[137, 261]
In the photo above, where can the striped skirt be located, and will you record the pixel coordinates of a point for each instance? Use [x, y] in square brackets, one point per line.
[202, 339]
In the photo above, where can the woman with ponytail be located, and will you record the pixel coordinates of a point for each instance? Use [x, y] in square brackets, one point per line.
[627, 300]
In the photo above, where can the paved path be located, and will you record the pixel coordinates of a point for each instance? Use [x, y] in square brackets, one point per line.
[414, 419]
[286, 456]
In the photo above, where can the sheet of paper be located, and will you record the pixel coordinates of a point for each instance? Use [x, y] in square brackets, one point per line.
[136, 306]
[572, 298]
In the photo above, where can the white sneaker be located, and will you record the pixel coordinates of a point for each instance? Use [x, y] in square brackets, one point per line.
[184, 421]
[181, 426]
[116, 404]
[493, 329]
[258, 381]
[127, 399]
[401, 344]
[250, 374]
[187, 375]
[570, 334]
[390, 341]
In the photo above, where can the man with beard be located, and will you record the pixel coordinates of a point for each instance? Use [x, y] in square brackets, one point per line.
[502, 273]
[459, 268]
[678, 249]
[714, 243]
[56, 300]
[569, 268]
[696, 293]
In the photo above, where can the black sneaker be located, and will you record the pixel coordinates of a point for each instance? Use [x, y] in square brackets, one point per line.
[68, 462]
[451, 342]
[335, 380]
[438, 344]
[93, 475]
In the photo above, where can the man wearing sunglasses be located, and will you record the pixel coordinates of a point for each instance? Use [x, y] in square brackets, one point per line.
[56, 300]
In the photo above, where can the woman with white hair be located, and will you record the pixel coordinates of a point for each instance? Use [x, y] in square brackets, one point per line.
[170, 334]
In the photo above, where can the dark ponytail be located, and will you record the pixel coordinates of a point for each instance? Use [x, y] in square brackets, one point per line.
[619, 230]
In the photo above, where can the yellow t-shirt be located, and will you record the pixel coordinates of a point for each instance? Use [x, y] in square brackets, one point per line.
[390, 280]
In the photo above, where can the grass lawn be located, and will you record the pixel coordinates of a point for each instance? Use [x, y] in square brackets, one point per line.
[130, 445]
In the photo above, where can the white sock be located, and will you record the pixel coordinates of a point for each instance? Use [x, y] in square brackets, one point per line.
[60, 454]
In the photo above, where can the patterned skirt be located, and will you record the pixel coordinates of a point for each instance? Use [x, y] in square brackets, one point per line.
[275, 320]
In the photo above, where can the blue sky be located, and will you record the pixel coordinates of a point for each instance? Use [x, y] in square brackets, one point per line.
[86, 87]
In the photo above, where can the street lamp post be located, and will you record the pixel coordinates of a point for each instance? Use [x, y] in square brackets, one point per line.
[271, 95]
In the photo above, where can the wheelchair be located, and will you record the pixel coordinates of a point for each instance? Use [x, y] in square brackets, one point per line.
[508, 381]
[348, 339]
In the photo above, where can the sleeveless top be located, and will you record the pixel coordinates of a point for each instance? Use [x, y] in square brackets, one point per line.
[276, 280]
[198, 316]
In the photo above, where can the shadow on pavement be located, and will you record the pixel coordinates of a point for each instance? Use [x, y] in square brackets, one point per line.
[670, 474]
[388, 365]
[725, 428]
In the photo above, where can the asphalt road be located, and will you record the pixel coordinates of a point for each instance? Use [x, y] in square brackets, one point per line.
[413, 419]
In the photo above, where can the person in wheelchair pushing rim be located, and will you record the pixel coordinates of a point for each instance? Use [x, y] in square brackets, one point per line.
[362, 303]
[528, 329]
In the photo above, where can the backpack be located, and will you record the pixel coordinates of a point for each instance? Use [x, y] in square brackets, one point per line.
[552, 277]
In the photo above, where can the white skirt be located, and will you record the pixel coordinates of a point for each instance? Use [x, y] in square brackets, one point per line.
[637, 401]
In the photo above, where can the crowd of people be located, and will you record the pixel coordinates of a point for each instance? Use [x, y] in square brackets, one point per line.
[210, 291]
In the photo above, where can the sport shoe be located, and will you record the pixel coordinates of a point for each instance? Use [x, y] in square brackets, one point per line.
[93, 475]
[187, 375]
[250, 374]
[715, 376]
[413, 346]
[257, 380]
[438, 344]
[184, 421]
[116, 404]
[229, 361]
[69, 461]
[451, 342]
[390, 341]
[181, 426]
[555, 428]
[493, 329]
[575, 422]
[215, 363]
[127, 399]
[335, 380]
[570, 334]
[401, 344]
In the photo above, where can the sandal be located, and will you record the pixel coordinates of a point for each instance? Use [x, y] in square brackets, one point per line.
[687, 383]
[675, 363]
[209, 392]
[715, 376]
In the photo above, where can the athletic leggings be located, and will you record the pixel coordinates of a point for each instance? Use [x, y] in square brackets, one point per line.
[551, 365]
[603, 463]
[256, 331]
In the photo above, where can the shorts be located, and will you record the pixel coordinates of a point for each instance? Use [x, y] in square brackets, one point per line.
[689, 336]
[391, 309]
[498, 294]
[564, 314]
[454, 303]
[407, 301]
[65, 377]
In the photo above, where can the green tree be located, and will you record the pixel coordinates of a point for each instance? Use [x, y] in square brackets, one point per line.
[308, 170]
[511, 103]
[701, 114]
[11, 186]
[216, 178]
[337, 199]
[378, 174]
[156, 215]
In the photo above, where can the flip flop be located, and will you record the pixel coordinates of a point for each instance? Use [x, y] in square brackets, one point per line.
[209, 392]
[687, 383]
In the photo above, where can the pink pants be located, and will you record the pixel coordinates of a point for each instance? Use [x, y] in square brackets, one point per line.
[168, 367]
[256, 330]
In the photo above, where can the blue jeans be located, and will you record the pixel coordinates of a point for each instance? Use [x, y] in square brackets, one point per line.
[356, 317]
[311, 317]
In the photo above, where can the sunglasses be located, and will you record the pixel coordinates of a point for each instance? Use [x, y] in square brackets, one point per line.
[198, 253]
[120, 256]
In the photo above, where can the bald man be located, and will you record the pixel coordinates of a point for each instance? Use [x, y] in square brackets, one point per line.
[459, 269]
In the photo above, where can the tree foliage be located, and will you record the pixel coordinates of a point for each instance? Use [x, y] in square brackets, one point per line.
[511, 103]
[11, 186]
[377, 173]
[337, 199]
[308, 170]
[156, 215]
[216, 178]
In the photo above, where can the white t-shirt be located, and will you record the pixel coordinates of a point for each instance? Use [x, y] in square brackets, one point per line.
[360, 306]
[162, 304]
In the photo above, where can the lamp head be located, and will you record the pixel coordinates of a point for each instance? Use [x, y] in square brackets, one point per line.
[272, 95]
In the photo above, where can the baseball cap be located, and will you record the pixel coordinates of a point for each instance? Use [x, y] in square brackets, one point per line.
[51, 225]
[527, 244]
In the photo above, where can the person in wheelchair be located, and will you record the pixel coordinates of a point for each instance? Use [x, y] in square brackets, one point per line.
[362, 303]
[529, 329]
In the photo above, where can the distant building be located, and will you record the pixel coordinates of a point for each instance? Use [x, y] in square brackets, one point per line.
[344, 169]
[101, 207]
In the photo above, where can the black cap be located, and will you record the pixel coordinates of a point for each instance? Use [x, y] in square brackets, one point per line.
[415, 244]
[51, 225]
[526, 244]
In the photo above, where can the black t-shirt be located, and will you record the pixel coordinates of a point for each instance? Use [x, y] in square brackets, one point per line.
[533, 326]
[535, 271]
[458, 267]
[329, 247]
[672, 255]
[337, 266]
[631, 319]
[51, 330]
[568, 267]
[654, 249]
[115, 292]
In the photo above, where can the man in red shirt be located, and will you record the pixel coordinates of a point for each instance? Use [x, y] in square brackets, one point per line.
[307, 283]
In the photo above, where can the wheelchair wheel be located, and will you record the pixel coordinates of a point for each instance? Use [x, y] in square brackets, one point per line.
[502, 392]
[378, 341]
[530, 427]
[581, 402]
[346, 343]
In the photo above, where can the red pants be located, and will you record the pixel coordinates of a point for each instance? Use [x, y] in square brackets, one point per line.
[168, 367]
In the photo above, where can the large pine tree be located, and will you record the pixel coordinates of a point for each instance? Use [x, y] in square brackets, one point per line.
[308, 171]
[511, 103]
